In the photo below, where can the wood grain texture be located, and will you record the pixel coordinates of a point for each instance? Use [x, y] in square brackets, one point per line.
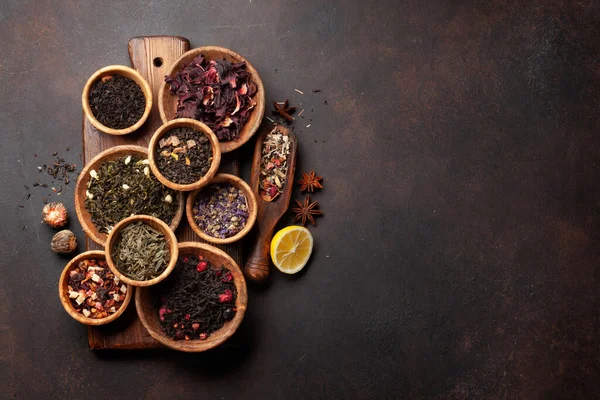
[127, 332]
[269, 213]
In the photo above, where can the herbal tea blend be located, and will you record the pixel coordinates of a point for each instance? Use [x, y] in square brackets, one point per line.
[124, 187]
[215, 92]
[221, 210]
[197, 299]
[184, 155]
[93, 289]
[141, 252]
[117, 102]
[273, 164]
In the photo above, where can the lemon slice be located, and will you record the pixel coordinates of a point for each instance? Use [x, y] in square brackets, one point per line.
[291, 248]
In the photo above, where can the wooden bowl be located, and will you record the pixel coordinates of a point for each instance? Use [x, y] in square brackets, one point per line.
[146, 302]
[63, 291]
[167, 103]
[185, 123]
[127, 73]
[250, 199]
[154, 223]
[85, 219]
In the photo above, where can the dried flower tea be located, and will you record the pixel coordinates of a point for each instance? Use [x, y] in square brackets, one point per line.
[64, 242]
[184, 155]
[117, 102]
[221, 210]
[55, 215]
[197, 299]
[273, 164]
[141, 252]
[93, 289]
[215, 92]
[124, 187]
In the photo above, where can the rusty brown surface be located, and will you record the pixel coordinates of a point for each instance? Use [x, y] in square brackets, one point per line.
[458, 255]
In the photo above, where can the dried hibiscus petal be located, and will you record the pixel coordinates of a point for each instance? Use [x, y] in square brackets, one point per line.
[217, 92]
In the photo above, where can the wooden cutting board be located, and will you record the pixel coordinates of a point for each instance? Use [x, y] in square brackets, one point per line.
[151, 56]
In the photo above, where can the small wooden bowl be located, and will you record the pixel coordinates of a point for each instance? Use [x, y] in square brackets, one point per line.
[85, 219]
[127, 73]
[63, 291]
[250, 199]
[185, 123]
[146, 302]
[167, 103]
[154, 223]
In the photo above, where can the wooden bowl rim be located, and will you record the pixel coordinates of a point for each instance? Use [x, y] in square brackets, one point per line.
[198, 126]
[215, 339]
[252, 209]
[84, 216]
[116, 69]
[163, 228]
[66, 302]
[260, 97]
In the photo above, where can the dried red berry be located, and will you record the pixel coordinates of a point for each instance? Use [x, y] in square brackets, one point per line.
[202, 265]
[228, 277]
[203, 336]
[226, 296]
[187, 317]
[195, 326]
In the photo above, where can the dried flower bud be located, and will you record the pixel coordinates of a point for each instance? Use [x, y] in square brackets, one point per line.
[55, 215]
[169, 198]
[64, 242]
[94, 174]
[125, 186]
[127, 160]
[146, 171]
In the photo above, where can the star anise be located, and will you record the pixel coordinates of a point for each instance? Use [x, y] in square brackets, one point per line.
[310, 181]
[284, 109]
[306, 211]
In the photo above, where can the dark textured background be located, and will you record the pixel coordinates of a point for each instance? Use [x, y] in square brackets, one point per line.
[458, 256]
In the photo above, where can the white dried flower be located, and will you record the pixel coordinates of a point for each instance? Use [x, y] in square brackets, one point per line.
[94, 174]
[89, 195]
[125, 186]
[127, 160]
[169, 199]
[146, 171]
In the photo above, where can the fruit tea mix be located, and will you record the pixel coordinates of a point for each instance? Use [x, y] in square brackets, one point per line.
[221, 210]
[216, 92]
[116, 101]
[273, 164]
[196, 299]
[124, 187]
[184, 155]
[93, 289]
[141, 252]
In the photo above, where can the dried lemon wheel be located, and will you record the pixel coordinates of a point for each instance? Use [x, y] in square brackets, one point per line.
[291, 248]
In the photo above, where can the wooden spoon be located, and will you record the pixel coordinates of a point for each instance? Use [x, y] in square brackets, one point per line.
[269, 213]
